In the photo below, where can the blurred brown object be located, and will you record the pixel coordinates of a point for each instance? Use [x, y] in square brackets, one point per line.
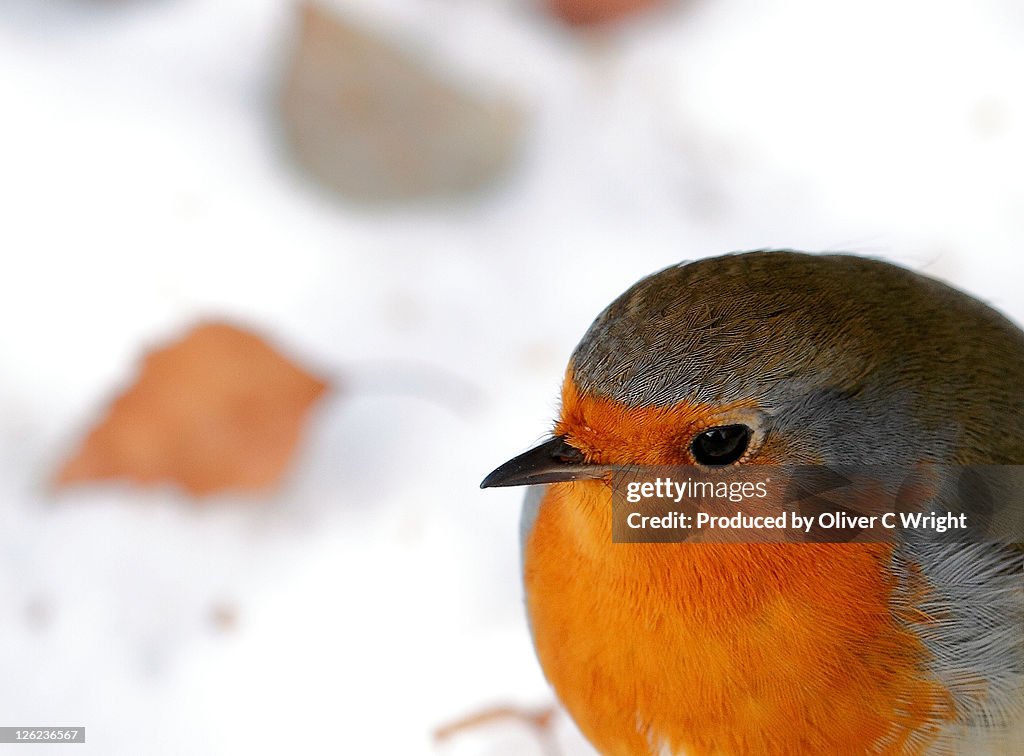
[224, 616]
[593, 12]
[375, 125]
[39, 613]
[217, 410]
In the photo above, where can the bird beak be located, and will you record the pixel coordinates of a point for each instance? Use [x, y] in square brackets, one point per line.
[554, 461]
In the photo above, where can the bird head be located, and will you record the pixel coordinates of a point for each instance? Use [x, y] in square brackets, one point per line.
[779, 357]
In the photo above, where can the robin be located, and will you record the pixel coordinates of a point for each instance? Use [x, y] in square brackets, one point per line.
[775, 358]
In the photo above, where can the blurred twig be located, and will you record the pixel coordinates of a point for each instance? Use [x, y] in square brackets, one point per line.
[539, 721]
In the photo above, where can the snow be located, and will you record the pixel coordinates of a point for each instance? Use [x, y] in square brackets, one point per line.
[143, 187]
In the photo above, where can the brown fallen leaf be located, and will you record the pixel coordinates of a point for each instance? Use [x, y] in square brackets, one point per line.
[594, 12]
[373, 123]
[217, 410]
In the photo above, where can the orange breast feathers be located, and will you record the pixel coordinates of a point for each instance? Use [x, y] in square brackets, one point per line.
[713, 648]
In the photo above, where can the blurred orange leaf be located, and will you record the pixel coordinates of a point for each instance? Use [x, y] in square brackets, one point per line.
[591, 12]
[219, 409]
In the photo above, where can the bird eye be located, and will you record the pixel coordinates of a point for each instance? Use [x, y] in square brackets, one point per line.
[568, 455]
[720, 446]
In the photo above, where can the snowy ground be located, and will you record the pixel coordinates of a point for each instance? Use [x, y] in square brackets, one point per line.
[376, 596]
